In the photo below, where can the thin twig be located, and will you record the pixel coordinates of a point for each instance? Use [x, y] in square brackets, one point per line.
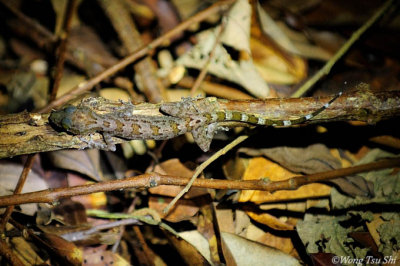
[203, 71]
[62, 49]
[354, 37]
[18, 188]
[144, 50]
[154, 179]
[203, 166]
[84, 234]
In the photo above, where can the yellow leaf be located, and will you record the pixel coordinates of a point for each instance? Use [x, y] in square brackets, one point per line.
[271, 221]
[259, 167]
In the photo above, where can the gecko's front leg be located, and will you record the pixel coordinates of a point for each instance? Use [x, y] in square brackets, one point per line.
[106, 144]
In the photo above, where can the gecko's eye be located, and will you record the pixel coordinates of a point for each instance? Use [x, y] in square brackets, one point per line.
[66, 123]
[69, 109]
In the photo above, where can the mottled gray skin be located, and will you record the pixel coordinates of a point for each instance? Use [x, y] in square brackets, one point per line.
[201, 117]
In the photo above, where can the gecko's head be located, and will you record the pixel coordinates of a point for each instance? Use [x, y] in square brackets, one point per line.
[63, 118]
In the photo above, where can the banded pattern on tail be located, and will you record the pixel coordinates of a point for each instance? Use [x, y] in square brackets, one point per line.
[222, 116]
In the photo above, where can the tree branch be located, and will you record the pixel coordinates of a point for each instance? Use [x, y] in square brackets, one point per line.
[26, 133]
[154, 179]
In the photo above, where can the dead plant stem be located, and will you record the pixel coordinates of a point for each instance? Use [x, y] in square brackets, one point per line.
[154, 179]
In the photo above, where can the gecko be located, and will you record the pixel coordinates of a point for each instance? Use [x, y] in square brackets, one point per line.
[201, 117]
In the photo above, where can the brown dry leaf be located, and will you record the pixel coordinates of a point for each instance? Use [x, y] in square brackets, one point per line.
[85, 162]
[240, 251]
[205, 226]
[90, 201]
[199, 242]
[275, 64]
[272, 221]
[222, 65]
[64, 249]
[24, 250]
[10, 173]
[317, 158]
[282, 243]
[273, 67]
[355, 186]
[296, 42]
[73, 212]
[260, 167]
[386, 140]
[224, 220]
[184, 209]
[323, 259]
[234, 168]
[192, 255]
[175, 167]
[103, 257]
[242, 222]
[236, 33]
[312, 159]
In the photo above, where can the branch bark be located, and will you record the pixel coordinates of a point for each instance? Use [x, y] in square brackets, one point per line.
[26, 133]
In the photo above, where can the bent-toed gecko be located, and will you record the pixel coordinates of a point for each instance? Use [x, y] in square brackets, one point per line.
[201, 117]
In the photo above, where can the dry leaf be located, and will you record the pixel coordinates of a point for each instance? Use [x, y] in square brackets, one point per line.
[175, 167]
[259, 168]
[65, 249]
[205, 225]
[199, 242]
[312, 159]
[240, 251]
[273, 67]
[103, 257]
[86, 162]
[236, 33]
[189, 253]
[224, 219]
[271, 221]
[90, 201]
[234, 168]
[24, 250]
[222, 65]
[386, 185]
[184, 209]
[10, 173]
[242, 222]
[283, 243]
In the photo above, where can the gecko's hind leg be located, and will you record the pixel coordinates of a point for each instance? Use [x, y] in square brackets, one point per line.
[203, 135]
